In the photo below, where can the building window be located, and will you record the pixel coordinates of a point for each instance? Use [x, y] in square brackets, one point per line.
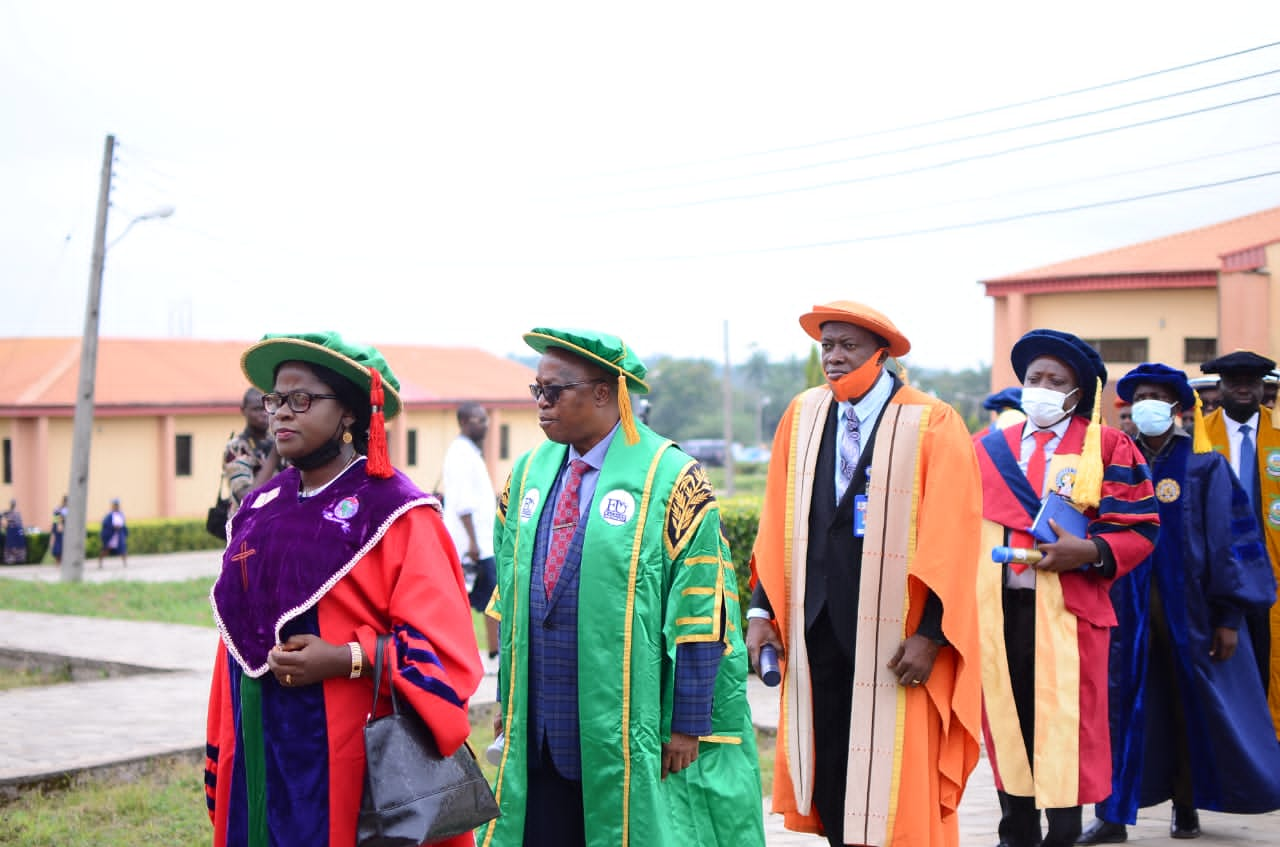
[1198, 350]
[8, 462]
[411, 449]
[1120, 349]
[182, 455]
[504, 442]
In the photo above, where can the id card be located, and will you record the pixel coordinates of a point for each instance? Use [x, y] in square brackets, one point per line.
[859, 515]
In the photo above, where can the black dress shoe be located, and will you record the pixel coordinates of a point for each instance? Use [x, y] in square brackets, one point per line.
[1103, 832]
[1185, 823]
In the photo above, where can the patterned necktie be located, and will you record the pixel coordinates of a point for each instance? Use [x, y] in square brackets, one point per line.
[1036, 467]
[1248, 461]
[850, 448]
[564, 522]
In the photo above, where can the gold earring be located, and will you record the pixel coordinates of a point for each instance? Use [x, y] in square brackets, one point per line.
[346, 436]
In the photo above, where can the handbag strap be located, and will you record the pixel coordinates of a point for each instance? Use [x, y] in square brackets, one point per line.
[378, 653]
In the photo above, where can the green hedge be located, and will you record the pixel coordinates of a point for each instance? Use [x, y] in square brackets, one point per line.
[739, 518]
[155, 535]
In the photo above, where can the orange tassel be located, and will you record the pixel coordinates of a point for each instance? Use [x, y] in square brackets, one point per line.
[379, 462]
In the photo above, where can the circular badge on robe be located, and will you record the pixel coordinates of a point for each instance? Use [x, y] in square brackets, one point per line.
[617, 507]
[1065, 481]
[1273, 513]
[1273, 464]
[529, 504]
[347, 507]
[1168, 490]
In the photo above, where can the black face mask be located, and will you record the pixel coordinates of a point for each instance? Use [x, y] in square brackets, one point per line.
[322, 455]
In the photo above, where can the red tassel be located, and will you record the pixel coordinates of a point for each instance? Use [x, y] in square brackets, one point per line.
[379, 462]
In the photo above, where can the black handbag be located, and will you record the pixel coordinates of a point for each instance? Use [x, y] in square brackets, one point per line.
[216, 521]
[412, 794]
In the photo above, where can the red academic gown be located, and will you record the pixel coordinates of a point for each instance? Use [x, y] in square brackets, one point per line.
[1071, 762]
[307, 751]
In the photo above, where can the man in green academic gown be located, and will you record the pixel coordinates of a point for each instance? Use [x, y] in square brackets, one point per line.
[622, 671]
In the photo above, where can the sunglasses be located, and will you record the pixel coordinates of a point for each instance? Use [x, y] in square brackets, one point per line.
[551, 391]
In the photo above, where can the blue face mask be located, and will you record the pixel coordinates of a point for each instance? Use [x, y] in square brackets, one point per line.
[1153, 417]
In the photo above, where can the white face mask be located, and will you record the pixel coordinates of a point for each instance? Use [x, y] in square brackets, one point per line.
[1153, 417]
[1045, 407]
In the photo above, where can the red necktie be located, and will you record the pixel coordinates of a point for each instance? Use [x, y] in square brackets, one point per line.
[564, 522]
[1036, 467]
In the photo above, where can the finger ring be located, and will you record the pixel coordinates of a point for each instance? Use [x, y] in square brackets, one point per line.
[288, 679]
[915, 682]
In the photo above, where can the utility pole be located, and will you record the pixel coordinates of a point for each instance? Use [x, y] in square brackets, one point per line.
[728, 416]
[82, 433]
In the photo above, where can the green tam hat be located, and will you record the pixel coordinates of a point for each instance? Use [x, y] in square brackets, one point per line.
[608, 352]
[361, 364]
[599, 348]
[328, 349]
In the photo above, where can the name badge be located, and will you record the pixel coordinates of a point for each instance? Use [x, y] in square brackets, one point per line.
[860, 510]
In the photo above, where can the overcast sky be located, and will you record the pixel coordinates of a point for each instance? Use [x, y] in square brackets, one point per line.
[457, 174]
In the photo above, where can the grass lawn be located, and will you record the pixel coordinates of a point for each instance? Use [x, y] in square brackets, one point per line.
[168, 602]
[26, 676]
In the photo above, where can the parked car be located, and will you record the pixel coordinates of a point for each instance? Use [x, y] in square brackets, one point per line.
[709, 451]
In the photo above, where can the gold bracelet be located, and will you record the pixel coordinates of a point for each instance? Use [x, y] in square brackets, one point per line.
[357, 659]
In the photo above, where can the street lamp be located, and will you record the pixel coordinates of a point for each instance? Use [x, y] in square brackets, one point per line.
[82, 430]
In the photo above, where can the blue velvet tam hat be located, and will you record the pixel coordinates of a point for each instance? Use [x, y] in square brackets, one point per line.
[1008, 398]
[1155, 373]
[1079, 356]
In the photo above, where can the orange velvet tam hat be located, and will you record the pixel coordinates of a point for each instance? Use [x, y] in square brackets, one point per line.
[847, 311]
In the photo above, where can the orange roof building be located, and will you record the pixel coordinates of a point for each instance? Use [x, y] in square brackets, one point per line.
[164, 409]
[1178, 300]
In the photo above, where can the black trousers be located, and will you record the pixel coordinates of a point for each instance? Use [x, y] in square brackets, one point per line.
[1019, 817]
[553, 815]
[832, 675]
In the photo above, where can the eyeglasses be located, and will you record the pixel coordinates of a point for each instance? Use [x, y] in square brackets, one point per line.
[551, 391]
[299, 401]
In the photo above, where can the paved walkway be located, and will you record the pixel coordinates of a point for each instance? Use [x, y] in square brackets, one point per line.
[51, 730]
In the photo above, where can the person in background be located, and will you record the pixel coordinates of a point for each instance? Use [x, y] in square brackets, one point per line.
[250, 458]
[1006, 409]
[623, 674]
[15, 536]
[1248, 434]
[322, 560]
[881, 690]
[470, 506]
[1189, 718]
[1124, 418]
[1044, 680]
[1269, 384]
[58, 530]
[114, 536]
[1209, 390]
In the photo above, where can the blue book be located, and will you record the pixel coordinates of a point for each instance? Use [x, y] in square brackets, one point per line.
[1060, 509]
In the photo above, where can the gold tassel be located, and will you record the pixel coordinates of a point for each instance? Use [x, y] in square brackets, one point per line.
[624, 409]
[1087, 491]
[1200, 439]
[902, 372]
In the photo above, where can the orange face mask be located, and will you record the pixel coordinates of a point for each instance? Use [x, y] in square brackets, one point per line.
[859, 380]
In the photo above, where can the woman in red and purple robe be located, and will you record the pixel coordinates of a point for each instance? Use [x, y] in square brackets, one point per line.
[320, 561]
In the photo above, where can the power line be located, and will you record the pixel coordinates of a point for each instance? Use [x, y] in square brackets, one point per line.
[946, 163]
[889, 236]
[1032, 189]
[966, 115]
[940, 142]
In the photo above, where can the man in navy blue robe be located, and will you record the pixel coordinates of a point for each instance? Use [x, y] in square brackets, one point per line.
[1189, 718]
